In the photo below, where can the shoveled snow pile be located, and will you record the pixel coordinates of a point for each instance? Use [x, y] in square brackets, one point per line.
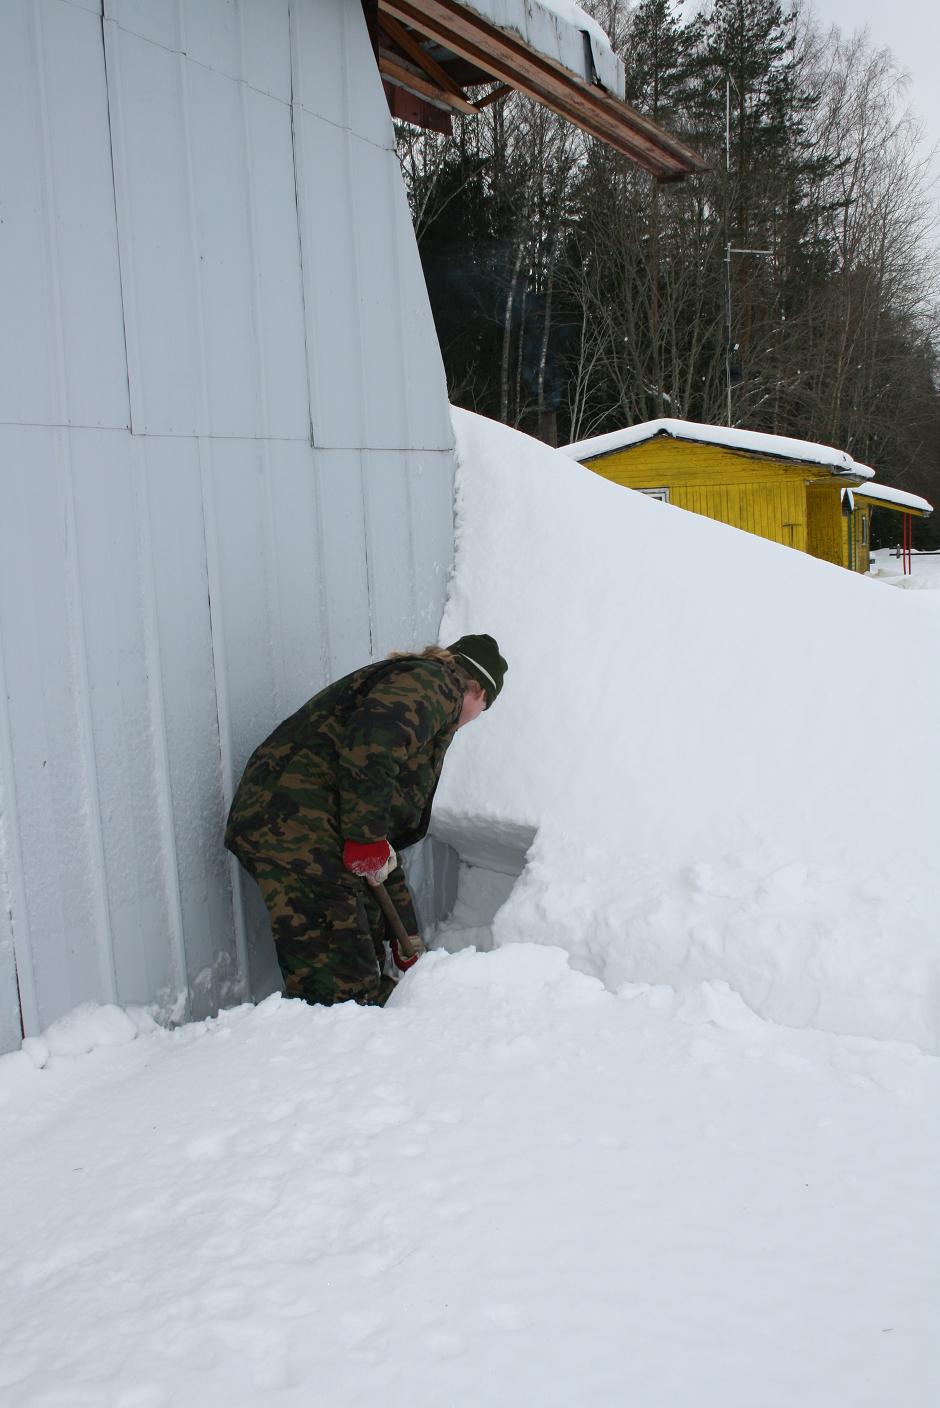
[510, 1187]
[682, 757]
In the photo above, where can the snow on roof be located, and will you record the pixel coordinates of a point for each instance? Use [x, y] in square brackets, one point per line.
[754, 442]
[557, 29]
[899, 498]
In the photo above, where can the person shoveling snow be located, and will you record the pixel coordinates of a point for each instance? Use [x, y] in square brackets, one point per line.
[327, 800]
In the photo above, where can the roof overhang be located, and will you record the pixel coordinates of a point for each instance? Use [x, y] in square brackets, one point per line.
[435, 49]
[898, 500]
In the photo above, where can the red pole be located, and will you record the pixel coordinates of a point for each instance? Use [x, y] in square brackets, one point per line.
[908, 537]
[904, 544]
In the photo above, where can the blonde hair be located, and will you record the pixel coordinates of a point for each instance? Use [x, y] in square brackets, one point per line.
[430, 652]
[437, 652]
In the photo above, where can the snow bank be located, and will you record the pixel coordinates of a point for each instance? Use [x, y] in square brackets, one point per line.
[924, 574]
[510, 1187]
[86, 1028]
[685, 738]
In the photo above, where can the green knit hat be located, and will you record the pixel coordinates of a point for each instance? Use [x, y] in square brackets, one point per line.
[480, 657]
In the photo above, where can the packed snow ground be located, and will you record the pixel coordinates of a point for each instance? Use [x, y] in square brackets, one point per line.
[685, 744]
[510, 1187]
[924, 574]
[595, 1177]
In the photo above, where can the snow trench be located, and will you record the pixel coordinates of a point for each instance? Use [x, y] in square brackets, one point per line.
[677, 783]
[491, 857]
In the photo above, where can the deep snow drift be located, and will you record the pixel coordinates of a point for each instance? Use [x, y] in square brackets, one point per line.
[688, 731]
[511, 1187]
[516, 1185]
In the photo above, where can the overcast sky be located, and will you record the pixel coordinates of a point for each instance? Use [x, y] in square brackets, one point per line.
[911, 30]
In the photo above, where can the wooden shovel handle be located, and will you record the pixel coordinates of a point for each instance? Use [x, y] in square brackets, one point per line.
[387, 906]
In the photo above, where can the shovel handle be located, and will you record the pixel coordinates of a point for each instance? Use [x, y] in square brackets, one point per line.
[387, 906]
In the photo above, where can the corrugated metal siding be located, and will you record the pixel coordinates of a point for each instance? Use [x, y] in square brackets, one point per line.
[226, 462]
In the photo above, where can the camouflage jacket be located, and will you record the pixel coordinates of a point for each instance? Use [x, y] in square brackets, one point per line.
[358, 762]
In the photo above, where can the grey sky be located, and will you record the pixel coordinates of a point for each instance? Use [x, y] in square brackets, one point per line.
[911, 30]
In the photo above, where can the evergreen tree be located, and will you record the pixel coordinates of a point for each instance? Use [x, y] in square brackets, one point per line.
[567, 284]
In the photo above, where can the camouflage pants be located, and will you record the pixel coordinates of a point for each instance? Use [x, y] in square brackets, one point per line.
[329, 932]
[329, 938]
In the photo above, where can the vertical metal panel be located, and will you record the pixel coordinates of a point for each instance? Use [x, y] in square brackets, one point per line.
[431, 495]
[13, 907]
[174, 481]
[345, 561]
[334, 72]
[10, 1032]
[53, 775]
[270, 628]
[167, 595]
[300, 618]
[61, 333]
[265, 46]
[151, 168]
[391, 417]
[428, 412]
[377, 380]
[207, 212]
[112, 598]
[246, 40]
[390, 549]
[331, 295]
[277, 291]
[271, 612]
[374, 383]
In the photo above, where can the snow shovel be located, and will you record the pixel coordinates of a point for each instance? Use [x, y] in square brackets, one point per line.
[387, 906]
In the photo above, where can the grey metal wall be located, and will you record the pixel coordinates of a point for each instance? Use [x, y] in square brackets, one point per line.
[225, 462]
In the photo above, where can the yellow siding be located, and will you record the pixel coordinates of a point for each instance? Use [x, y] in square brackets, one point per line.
[762, 496]
[857, 557]
[825, 523]
[773, 511]
[864, 548]
[655, 463]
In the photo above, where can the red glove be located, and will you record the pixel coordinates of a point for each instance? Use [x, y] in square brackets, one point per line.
[401, 962]
[373, 859]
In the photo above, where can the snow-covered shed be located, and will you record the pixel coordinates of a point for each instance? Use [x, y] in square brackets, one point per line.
[779, 488]
[226, 454]
[857, 508]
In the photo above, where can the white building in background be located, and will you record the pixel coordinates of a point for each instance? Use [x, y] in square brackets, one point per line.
[225, 448]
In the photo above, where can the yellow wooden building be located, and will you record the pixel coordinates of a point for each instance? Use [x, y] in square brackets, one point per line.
[789, 491]
[857, 507]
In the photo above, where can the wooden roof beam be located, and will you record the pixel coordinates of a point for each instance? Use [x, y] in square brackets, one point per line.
[407, 43]
[511, 61]
[406, 76]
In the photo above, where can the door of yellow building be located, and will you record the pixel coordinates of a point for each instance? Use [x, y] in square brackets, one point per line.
[824, 522]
